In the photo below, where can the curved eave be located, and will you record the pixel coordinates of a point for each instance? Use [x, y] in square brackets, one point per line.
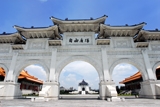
[9, 35]
[138, 26]
[145, 35]
[49, 32]
[86, 21]
[150, 32]
[119, 31]
[25, 73]
[35, 29]
[11, 38]
[132, 78]
[31, 79]
[34, 80]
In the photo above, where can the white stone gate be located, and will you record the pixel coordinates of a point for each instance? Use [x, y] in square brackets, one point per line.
[72, 40]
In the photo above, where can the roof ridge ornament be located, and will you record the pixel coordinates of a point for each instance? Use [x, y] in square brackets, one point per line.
[66, 18]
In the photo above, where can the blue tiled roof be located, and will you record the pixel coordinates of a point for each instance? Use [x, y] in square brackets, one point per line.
[83, 83]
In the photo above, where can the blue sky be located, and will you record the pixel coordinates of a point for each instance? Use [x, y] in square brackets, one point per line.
[76, 71]
[27, 13]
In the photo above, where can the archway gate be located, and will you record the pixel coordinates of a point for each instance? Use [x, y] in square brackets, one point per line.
[71, 40]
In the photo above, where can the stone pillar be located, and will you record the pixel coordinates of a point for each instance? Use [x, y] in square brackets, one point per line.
[11, 68]
[50, 90]
[52, 66]
[105, 65]
[10, 90]
[150, 89]
[102, 87]
[107, 86]
[148, 65]
[10, 87]
[148, 86]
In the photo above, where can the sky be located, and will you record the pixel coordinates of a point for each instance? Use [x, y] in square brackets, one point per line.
[27, 13]
[75, 72]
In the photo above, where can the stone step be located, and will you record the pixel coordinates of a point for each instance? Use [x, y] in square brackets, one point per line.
[79, 96]
[39, 99]
[114, 99]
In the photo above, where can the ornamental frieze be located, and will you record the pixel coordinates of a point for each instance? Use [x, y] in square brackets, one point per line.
[155, 47]
[124, 52]
[6, 58]
[35, 54]
[80, 50]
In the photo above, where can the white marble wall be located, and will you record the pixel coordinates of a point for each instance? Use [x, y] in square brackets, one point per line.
[103, 57]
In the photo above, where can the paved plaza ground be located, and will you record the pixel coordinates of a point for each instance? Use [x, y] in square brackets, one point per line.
[82, 102]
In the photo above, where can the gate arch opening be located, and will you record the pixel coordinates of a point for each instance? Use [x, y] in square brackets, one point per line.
[3, 72]
[158, 73]
[156, 70]
[37, 71]
[31, 79]
[89, 60]
[22, 65]
[142, 73]
[136, 64]
[127, 79]
[75, 72]
[122, 71]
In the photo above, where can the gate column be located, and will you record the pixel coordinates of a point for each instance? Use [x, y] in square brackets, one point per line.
[148, 65]
[148, 87]
[107, 86]
[11, 89]
[105, 65]
[52, 66]
[50, 89]
[11, 68]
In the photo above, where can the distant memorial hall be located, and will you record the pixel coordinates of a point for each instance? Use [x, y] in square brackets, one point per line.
[90, 40]
[83, 88]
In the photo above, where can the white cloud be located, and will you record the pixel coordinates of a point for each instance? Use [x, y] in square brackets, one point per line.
[74, 72]
[71, 77]
[80, 67]
[123, 71]
[37, 71]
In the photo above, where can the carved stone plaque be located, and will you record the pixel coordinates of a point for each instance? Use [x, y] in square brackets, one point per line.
[79, 40]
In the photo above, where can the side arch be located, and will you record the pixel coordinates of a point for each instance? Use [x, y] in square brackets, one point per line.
[5, 69]
[139, 66]
[70, 59]
[24, 63]
[155, 67]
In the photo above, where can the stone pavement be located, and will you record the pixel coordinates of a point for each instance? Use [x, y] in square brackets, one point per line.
[81, 102]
